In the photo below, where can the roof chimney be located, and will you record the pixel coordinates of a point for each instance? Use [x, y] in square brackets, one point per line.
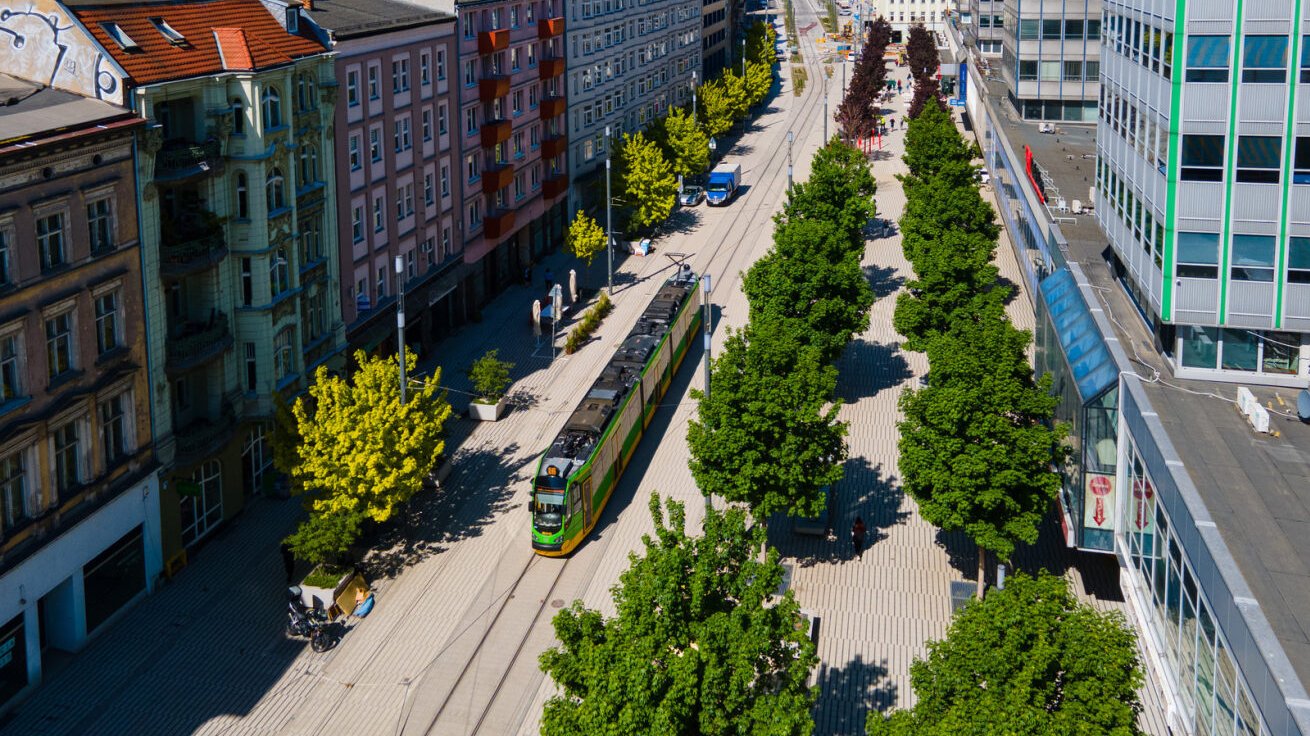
[309, 4]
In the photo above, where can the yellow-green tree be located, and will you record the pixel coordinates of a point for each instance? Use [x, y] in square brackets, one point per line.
[362, 453]
[585, 237]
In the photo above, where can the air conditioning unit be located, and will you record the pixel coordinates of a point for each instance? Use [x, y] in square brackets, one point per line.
[1257, 415]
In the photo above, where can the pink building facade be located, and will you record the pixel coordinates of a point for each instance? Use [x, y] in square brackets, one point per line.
[513, 157]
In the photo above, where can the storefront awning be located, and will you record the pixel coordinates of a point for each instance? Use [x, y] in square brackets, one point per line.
[1081, 342]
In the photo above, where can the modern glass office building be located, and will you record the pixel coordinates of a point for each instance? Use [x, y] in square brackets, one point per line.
[1203, 180]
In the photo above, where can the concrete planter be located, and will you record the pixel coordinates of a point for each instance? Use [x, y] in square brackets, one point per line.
[326, 596]
[487, 412]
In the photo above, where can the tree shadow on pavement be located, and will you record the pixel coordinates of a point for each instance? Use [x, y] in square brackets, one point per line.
[876, 498]
[479, 489]
[877, 366]
[961, 553]
[883, 280]
[847, 694]
[683, 220]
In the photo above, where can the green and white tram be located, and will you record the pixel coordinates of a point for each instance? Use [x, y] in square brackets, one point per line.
[577, 475]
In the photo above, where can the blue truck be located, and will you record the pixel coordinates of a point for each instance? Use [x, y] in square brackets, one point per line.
[723, 183]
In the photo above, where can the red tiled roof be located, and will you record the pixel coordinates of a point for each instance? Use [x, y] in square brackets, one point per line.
[251, 37]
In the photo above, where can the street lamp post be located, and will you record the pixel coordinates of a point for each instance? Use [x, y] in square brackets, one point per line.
[693, 95]
[400, 321]
[609, 231]
[825, 111]
[713, 147]
[705, 284]
[790, 137]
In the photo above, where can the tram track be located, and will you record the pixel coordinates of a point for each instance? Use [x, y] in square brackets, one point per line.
[729, 256]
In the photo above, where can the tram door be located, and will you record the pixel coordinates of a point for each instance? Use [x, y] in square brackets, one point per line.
[585, 489]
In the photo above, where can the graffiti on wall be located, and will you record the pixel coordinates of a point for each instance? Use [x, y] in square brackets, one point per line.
[41, 43]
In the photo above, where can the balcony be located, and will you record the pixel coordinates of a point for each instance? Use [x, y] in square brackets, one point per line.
[555, 186]
[550, 27]
[552, 106]
[181, 159]
[554, 145]
[495, 131]
[197, 343]
[496, 178]
[493, 87]
[498, 224]
[489, 42]
[551, 67]
[189, 253]
[205, 437]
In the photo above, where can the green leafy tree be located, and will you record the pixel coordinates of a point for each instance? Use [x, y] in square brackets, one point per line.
[716, 107]
[1029, 660]
[768, 434]
[976, 446]
[734, 89]
[927, 93]
[362, 453]
[761, 42]
[649, 186]
[840, 190]
[934, 145]
[687, 144]
[759, 80]
[955, 281]
[698, 644]
[585, 238]
[809, 278]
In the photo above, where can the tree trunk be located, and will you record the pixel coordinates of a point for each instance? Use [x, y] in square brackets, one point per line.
[982, 571]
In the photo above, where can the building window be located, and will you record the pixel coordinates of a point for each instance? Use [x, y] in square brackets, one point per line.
[308, 165]
[374, 89]
[378, 220]
[202, 505]
[50, 240]
[279, 273]
[471, 121]
[1298, 266]
[59, 343]
[375, 144]
[400, 76]
[1253, 258]
[1207, 58]
[1264, 59]
[271, 107]
[1258, 158]
[470, 74]
[441, 64]
[355, 162]
[67, 455]
[11, 375]
[247, 282]
[1305, 60]
[6, 268]
[425, 67]
[305, 93]
[275, 191]
[429, 193]
[1198, 255]
[1203, 158]
[100, 222]
[442, 119]
[114, 439]
[352, 88]
[238, 118]
[473, 170]
[402, 139]
[252, 368]
[317, 315]
[243, 197]
[427, 124]
[284, 349]
[445, 180]
[108, 325]
[13, 489]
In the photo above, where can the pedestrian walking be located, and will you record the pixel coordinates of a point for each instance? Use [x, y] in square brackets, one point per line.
[857, 536]
[891, 123]
[289, 562]
[550, 278]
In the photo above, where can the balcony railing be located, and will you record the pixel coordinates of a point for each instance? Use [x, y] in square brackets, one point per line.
[554, 145]
[180, 159]
[204, 437]
[550, 27]
[496, 178]
[495, 131]
[191, 253]
[492, 87]
[552, 106]
[498, 224]
[551, 67]
[489, 42]
[197, 343]
[555, 186]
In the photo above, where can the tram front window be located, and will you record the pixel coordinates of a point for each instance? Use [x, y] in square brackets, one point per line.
[548, 511]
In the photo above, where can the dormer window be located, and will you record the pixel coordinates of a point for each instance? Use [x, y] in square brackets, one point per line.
[293, 18]
[168, 32]
[120, 36]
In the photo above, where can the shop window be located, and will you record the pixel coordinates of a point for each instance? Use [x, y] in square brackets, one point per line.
[113, 578]
[1241, 350]
[201, 504]
[1264, 59]
[1200, 347]
[13, 658]
[1207, 58]
[1281, 353]
[1253, 258]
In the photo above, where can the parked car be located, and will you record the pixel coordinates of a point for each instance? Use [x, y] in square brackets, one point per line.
[691, 196]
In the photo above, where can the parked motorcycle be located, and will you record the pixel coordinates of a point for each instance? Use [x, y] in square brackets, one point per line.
[311, 623]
